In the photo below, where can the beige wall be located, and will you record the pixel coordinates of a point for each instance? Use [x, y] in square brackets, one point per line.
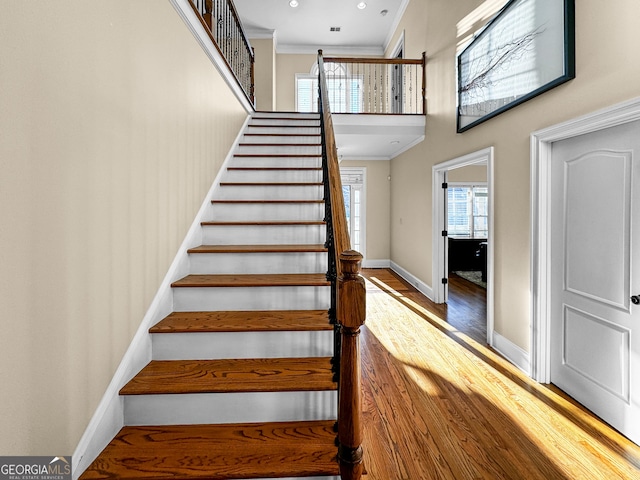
[607, 40]
[264, 73]
[470, 173]
[377, 205]
[112, 129]
[287, 65]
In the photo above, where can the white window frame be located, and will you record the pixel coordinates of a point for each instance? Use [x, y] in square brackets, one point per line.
[346, 96]
[472, 216]
[356, 178]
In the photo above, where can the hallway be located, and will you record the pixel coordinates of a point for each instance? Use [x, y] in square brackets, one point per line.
[439, 404]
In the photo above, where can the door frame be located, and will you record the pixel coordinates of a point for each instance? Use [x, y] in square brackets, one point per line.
[439, 175]
[541, 151]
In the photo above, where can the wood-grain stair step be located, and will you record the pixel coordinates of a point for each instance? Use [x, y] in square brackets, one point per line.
[304, 169]
[254, 280]
[271, 184]
[301, 248]
[161, 377]
[217, 452]
[278, 155]
[251, 321]
[266, 201]
[284, 223]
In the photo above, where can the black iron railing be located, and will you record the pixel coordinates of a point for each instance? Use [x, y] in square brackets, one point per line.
[224, 26]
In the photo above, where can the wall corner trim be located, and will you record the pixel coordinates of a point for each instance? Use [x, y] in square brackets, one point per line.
[512, 352]
[413, 280]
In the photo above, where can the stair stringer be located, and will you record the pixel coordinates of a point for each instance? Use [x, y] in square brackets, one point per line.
[108, 417]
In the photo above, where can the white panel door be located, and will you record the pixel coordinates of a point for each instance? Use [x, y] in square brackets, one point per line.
[595, 274]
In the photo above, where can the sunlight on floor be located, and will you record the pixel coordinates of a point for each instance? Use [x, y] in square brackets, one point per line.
[440, 360]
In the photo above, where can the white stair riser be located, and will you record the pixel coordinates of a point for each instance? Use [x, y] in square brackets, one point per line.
[230, 345]
[264, 235]
[273, 176]
[285, 122]
[258, 161]
[287, 138]
[270, 192]
[280, 130]
[332, 477]
[279, 149]
[250, 298]
[254, 212]
[258, 262]
[296, 115]
[203, 408]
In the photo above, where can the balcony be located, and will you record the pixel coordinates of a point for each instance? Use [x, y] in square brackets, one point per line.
[378, 104]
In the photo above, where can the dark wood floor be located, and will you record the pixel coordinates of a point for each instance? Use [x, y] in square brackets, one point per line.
[440, 404]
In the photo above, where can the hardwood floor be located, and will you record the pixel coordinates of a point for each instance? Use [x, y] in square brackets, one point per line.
[440, 404]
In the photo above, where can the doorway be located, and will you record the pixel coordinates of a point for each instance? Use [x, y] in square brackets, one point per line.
[584, 269]
[440, 238]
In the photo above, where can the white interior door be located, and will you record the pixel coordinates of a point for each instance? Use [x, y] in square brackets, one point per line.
[595, 273]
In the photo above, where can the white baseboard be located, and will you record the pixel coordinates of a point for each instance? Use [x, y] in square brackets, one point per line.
[376, 263]
[413, 280]
[512, 352]
[108, 418]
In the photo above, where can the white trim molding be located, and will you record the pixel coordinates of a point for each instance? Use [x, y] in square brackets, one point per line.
[480, 157]
[413, 280]
[382, 263]
[541, 146]
[512, 352]
[108, 418]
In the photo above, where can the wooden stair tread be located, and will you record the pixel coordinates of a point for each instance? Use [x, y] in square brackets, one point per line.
[285, 201]
[271, 184]
[238, 321]
[288, 134]
[258, 248]
[254, 280]
[276, 168]
[232, 375]
[265, 222]
[271, 144]
[278, 155]
[217, 452]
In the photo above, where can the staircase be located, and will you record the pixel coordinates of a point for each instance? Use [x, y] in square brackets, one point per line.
[241, 383]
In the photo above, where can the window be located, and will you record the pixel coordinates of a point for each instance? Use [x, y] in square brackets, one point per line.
[345, 91]
[467, 211]
[352, 191]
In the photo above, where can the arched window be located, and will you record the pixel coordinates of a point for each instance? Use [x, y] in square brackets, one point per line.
[345, 89]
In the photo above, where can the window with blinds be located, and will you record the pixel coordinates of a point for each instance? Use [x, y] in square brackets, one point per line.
[345, 93]
[467, 211]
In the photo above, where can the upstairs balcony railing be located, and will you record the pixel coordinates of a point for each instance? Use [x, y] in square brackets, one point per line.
[376, 85]
[221, 19]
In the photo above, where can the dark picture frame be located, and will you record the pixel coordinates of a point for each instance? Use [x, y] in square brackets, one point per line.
[527, 49]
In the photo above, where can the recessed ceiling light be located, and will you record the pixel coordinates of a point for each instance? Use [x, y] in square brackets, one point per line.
[394, 142]
[384, 12]
[293, 3]
[362, 5]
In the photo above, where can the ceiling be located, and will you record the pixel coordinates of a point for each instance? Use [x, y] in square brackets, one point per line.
[307, 28]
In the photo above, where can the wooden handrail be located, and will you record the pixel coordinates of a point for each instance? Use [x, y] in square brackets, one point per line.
[236, 51]
[348, 303]
[380, 86]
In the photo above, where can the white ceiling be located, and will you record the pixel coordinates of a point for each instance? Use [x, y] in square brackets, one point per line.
[306, 28]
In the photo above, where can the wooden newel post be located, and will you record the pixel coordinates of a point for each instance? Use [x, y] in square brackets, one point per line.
[351, 313]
